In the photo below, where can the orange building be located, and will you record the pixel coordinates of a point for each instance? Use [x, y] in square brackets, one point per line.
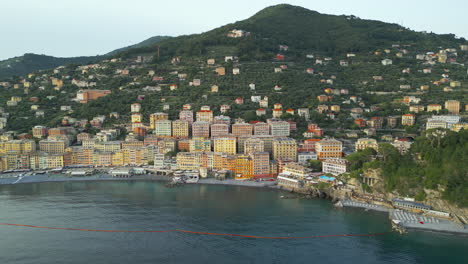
[242, 129]
[329, 148]
[84, 96]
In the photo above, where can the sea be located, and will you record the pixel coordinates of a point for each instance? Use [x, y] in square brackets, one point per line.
[210, 210]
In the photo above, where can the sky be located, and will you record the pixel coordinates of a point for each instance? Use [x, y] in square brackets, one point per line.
[66, 28]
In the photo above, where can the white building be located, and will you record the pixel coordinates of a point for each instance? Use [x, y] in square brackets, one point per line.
[304, 157]
[280, 129]
[449, 119]
[335, 166]
[431, 124]
[304, 112]
[386, 62]
[136, 107]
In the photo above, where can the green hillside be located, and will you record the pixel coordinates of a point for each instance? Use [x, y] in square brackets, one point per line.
[304, 30]
[30, 62]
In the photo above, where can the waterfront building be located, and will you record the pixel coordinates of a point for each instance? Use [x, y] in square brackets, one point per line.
[335, 166]
[188, 160]
[296, 170]
[260, 164]
[289, 182]
[243, 168]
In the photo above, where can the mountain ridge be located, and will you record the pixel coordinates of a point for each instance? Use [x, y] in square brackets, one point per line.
[29, 62]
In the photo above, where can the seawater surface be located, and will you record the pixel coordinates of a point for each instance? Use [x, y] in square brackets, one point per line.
[204, 208]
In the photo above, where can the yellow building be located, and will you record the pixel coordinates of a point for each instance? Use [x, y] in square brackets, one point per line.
[188, 161]
[108, 146]
[52, 146]
[205, 115]
[284, 148]
[157, 116]
[459, 126]
[453, 106]
[180, 129]
[88, 143]
[19, 146]
[364, 143]
[225, 145]
[132, 144]
[55, 160]
[329, 148]
[136, 118]
[416, 108]
[102, 159]
[335, 108]
[408, 119]
[434, 107]
[243, 167]
[118, 158]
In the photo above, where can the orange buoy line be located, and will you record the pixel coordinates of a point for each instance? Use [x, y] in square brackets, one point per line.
[186, 231]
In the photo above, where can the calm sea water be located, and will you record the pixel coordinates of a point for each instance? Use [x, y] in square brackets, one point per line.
[223, 209]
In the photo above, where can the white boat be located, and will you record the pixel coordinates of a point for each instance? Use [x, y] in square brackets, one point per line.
[192, 178]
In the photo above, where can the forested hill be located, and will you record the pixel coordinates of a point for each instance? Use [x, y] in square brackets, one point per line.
[30, 62]
[305, 31]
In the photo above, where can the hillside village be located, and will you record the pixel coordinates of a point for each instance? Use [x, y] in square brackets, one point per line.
[299, 117]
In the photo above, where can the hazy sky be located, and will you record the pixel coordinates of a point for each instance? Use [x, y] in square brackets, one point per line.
[89, 27]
